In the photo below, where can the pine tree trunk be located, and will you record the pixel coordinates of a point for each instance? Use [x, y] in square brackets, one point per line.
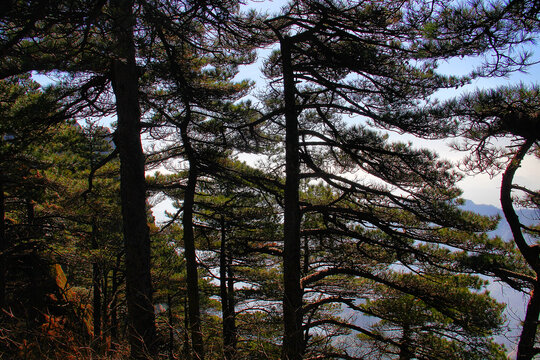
[526, 349]
[226, 285]
[3, 246]
[527, 339]
[132, 183]
[96, 287]
[231, 302]
[36, 275]
[293, 344]
[114, 302]
[405, 344]
[171, 324]
[529, 253]
[187, 350]
[192, 277]
[105, 301]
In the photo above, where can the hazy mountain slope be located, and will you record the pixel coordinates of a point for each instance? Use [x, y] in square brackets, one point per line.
[527, 216]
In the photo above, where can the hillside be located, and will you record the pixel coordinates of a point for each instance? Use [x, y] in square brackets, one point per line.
[527, 216]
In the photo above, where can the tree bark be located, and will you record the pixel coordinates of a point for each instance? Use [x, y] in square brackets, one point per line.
[405, 343]
[171, 324]
[226, 285]
[105, 315]
[231, 302]
[186, 349]
[293, 343]
[96, 288]
[3, 246]
[529, 253]
[192, 277]
[526, 349]
[114, 301]
[132, 183]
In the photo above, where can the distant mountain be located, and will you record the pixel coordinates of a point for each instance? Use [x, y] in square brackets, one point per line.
[527, 217]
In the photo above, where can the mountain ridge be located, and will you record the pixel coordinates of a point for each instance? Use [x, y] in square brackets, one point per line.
[526, 216]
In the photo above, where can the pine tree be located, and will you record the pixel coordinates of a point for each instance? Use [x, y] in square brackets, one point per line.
[375, 61]
[410, 328]
[27, 112]
[201, 111]
[89, 205]
[244, 223]
[102, 47]
[58, 227]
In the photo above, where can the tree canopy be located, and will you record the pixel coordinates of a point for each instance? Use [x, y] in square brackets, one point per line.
[338, 242]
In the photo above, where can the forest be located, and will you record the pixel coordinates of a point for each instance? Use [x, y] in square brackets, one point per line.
[300, 226]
